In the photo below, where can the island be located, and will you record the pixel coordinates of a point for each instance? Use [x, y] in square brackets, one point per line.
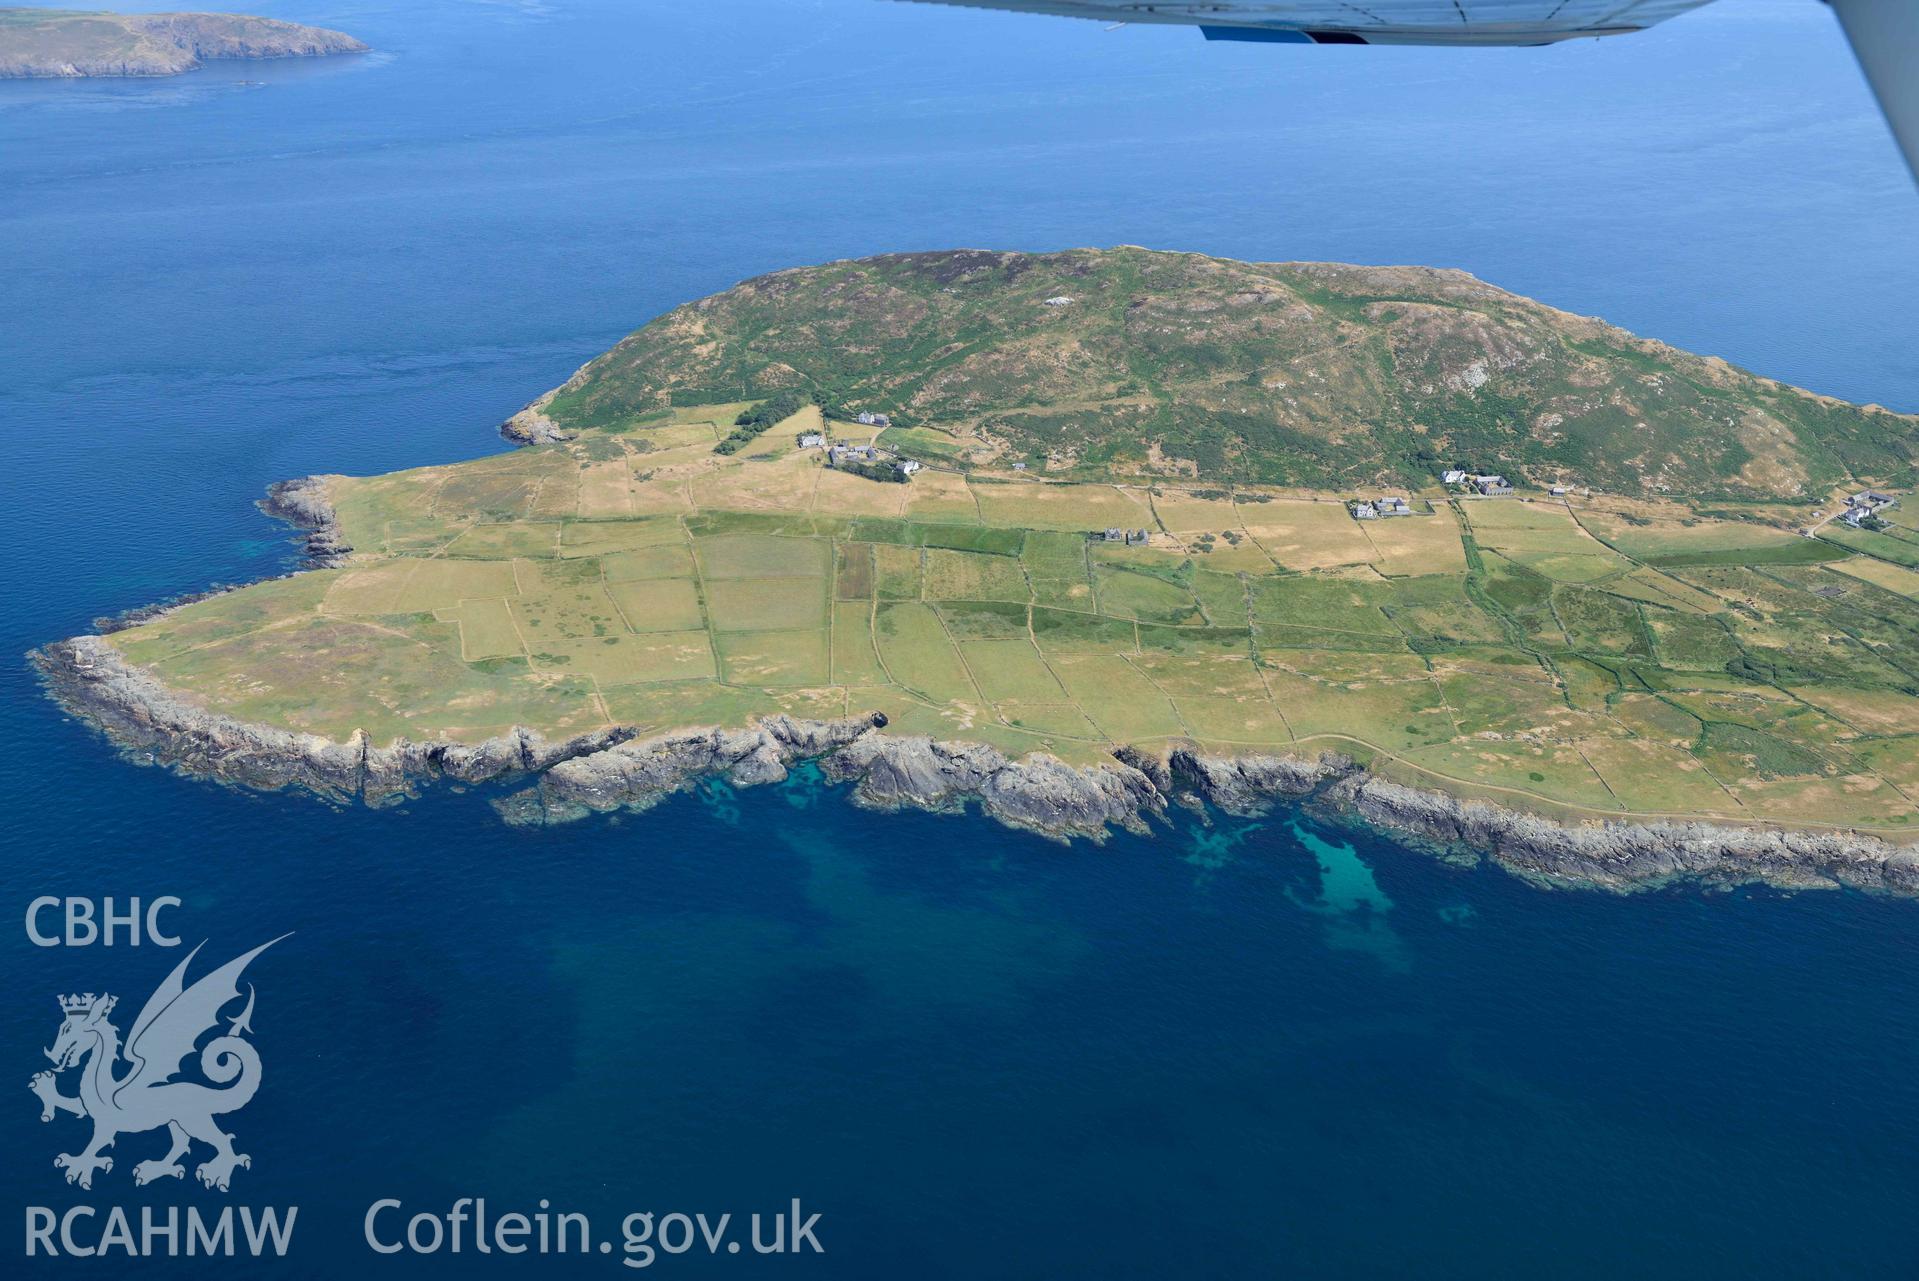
[68, 43]
[1077, 537]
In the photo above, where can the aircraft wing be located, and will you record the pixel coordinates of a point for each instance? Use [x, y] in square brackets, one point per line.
[1885, 36]
[1884, 33]
[1435, 22]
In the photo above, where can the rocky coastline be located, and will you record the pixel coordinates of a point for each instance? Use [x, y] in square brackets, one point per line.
[531, 426]
[303, 503]
[620, 769]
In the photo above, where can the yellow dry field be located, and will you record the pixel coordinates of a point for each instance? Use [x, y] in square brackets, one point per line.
[1894, 578]
[775, 658]
[1409, 546]
[1182, 513]
[940, 497]
[783, 486]
[1226, 557]
[1037, 505]
[1118, 698]
[1644, 529]
[1544, 537]
[1658, 588]
[506, 540]
[1011, 671]
[486, 630]
[606, 489]
[1864, 712]
[839, 493]
[766, 604]
[680, 436]
[1307, 535]
[600, 537]
[669, 561]
[658, 604]
[762, 556]
[411, 586]
[951, 575]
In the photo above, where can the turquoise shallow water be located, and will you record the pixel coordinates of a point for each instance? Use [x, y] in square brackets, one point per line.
[1246, 1049]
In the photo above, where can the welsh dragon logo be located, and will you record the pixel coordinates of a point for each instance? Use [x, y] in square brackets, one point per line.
[146, 1096]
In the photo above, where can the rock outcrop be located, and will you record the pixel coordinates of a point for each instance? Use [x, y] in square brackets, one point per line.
[303, 503]
[531, 426]
[1629, 856]
[615, 769]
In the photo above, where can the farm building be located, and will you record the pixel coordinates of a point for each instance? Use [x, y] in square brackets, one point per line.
[1866, 503]
[1365, 511]
[868, 419]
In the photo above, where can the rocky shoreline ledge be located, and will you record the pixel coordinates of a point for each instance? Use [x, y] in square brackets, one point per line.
[531, 426]
[618, 769]
[303, 503]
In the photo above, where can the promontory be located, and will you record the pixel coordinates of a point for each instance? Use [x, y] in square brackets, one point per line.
[66, 43]
[1077, 536]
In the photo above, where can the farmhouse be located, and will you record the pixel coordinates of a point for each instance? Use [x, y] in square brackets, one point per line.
[1559, 491]
[869, 419]
[907, 466]
[812, 440]
[1492, 486]
[1452, 476]
[1380, 508]
[1866, 503]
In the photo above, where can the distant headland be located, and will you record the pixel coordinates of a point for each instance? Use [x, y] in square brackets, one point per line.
[72, 43]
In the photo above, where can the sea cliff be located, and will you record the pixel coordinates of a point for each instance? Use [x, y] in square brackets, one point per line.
[618, 768]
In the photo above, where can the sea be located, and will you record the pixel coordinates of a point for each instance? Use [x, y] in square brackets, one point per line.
[1268, 1048]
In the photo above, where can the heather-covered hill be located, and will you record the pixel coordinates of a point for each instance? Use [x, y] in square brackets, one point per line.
[1129, 362]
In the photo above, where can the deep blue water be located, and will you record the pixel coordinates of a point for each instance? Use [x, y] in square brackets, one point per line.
[1256, 1049]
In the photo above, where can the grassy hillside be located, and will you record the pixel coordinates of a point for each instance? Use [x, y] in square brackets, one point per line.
[1178, 365]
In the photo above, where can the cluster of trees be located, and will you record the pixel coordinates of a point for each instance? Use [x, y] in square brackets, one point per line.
[883, 471]
[754, 422]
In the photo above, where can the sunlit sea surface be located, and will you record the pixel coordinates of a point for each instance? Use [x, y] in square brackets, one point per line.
[1269, 1049]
